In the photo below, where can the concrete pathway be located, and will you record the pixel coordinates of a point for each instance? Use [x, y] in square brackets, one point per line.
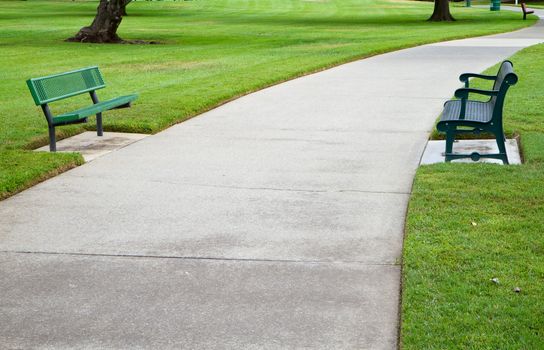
[272, 222]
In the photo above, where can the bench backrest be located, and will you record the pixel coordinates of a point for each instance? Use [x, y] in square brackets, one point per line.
[523, 7]
[58, 86]
[505, 78]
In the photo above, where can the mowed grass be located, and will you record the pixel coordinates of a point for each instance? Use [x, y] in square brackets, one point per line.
[536, 5]
[470, 223]
[532, 4]
[209, 52]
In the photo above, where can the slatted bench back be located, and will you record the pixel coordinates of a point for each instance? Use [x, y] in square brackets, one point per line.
[505, 69]
[59, 86]
[505, 78]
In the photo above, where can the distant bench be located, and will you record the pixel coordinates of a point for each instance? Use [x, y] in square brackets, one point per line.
[56, 87]
[526, 11]
[467, 116]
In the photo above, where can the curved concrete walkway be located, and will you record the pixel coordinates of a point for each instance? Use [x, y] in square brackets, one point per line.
[272, 222]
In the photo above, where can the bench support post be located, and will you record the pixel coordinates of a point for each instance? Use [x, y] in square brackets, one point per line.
[501, 139]
[450, 137]
[99, 129]
[52, 138]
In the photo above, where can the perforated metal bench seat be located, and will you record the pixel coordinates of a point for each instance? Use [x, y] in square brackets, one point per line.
[60, 86]
[83, 113]
[476, 111]
[467, 116]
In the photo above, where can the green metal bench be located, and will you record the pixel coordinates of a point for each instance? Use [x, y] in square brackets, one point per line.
[56, 87]
[466, 116]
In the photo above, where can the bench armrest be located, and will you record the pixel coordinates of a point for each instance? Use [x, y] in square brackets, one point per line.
[466, 76]
[463, 93]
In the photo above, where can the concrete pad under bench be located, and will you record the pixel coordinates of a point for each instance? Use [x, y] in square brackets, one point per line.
[434, 152]
[91, 146]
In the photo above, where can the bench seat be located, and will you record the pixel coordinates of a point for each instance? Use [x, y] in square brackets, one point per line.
[83, 113]
[476, 111]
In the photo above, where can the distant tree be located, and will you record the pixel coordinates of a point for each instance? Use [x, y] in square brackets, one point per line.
[441, 11]
[109, 15]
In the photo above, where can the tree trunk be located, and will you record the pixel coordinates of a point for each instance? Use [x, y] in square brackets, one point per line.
[104, 27]
[441, 11]
[124, 9]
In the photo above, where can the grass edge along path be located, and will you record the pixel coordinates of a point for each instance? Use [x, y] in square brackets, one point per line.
[20, 176]
[316, 38]
[468, 224]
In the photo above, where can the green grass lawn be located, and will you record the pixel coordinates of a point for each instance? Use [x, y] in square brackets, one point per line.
[536, 5]
[532, 5]
[211, 51]
[469, 223]
[539, 4]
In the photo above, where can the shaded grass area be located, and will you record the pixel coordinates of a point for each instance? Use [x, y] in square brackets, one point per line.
[469, 223]
[211, 51]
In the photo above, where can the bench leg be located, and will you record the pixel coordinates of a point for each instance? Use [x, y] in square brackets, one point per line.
[450, 137]
[52, 139]
[99, 130]
[499, 137]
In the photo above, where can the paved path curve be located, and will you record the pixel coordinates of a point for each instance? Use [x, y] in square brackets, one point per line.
[274, 221]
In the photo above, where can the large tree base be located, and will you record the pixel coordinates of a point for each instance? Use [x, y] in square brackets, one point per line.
[104, 27]
[441, 18]
[441, 12]
[87, 35]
